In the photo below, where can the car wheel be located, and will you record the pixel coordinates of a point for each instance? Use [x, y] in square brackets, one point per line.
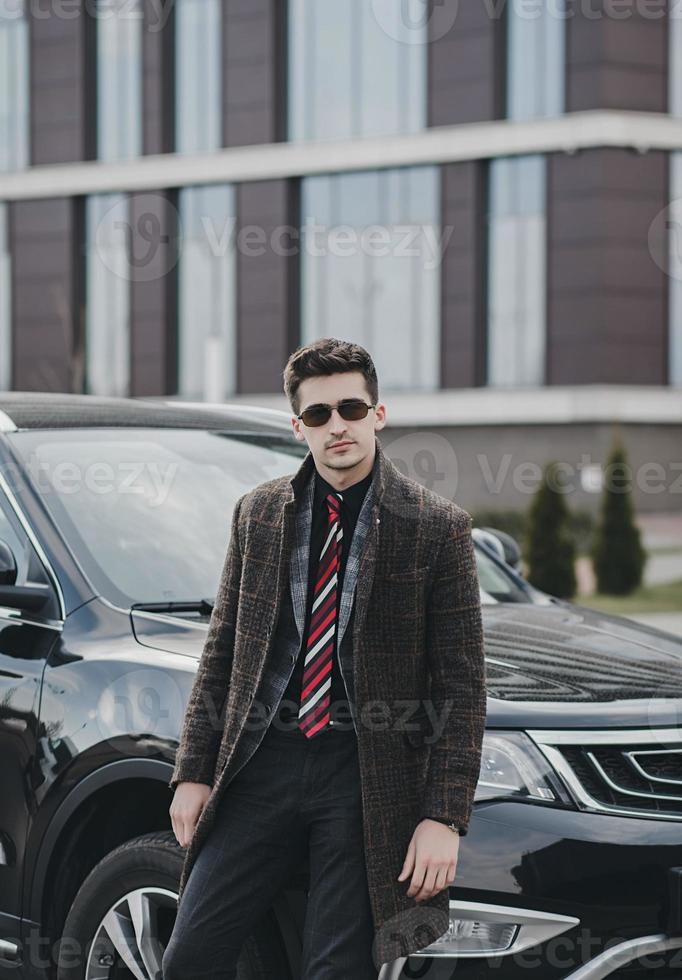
[123, 915]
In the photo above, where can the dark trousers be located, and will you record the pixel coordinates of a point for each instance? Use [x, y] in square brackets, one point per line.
[294, 797]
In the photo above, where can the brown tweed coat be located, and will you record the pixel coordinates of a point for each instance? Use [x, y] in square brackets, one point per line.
[417, 643]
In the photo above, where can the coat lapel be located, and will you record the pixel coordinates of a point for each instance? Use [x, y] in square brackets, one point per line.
[286, 545]
[350, 574]
[300, 555]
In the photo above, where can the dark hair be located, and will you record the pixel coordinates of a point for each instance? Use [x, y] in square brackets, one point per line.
[324, 357]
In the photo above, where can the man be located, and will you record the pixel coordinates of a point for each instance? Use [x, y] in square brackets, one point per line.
[348, 620]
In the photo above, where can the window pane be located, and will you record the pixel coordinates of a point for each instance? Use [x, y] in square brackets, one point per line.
[107, 310]
[370, 268]
[536, 58]
[5, 301]
[356, 68]
[198, 76]
[675, 280]
[516, 271]
[207, 293]
[162, 536]
[119, 79]
[675, 59]
[14, 94]
[675, 215]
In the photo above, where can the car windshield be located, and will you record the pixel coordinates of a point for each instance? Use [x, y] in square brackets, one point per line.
[147, 512]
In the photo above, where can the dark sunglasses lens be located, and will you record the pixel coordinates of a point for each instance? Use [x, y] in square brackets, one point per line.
[315, 416]
[352, 411]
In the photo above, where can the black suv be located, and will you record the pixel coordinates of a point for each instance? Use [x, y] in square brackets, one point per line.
[114, 522]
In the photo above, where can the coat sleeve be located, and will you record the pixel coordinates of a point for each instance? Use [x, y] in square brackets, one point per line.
[456, 662]
[202, 724]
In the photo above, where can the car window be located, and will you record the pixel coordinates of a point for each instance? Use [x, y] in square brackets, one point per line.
[147, 512]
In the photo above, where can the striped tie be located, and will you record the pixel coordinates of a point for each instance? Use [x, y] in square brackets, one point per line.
[313, 714]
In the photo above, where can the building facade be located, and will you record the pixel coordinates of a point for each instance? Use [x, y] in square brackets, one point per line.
[482, 193]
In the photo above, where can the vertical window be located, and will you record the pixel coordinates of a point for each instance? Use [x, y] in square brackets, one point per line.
[107, 309]
[207, 293]
[516, 271]
[5, 301]
[675, 59]
[14, 95]
[675, 210]
[119, 79]
[675, 271]
[535, 58]
[370, 267]
[198, 108]
[356, 68]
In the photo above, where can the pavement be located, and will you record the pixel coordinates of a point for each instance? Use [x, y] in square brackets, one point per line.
[670, 622]
[661, 530]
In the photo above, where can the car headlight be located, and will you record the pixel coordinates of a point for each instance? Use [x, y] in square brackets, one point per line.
[512, 765]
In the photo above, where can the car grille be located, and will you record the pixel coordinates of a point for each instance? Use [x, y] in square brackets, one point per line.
[635, 772]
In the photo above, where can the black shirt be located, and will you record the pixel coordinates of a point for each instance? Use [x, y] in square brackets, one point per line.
[353, 497]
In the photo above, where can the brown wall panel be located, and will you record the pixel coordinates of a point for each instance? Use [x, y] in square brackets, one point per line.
[158, 77]
[62, 83]
[254, 72]
[462, 292]
[153, 293]
[606, 296]
[47, 294]
[267, 286]
[466, 61]
[616, 62]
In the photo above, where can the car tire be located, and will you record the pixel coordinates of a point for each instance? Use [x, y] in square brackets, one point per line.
[144, 870]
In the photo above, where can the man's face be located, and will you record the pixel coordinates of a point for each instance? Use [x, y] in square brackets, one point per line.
[357, 435]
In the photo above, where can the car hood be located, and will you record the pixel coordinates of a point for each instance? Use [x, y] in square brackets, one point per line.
[567, 664]
[564, 651]
[545, 665]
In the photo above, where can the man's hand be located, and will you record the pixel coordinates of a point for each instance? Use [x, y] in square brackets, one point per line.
[431, 858]
[189, 800]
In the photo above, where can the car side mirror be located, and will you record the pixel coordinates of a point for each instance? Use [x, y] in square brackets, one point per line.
[31, 598]
[8, 564]
[507, 547]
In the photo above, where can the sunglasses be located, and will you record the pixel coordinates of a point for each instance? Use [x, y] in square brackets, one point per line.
[352, 409]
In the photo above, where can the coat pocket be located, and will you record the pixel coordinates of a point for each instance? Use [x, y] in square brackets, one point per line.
[403, 592]
[410, 574]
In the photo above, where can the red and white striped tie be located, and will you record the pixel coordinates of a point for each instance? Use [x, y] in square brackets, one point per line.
[313, 713]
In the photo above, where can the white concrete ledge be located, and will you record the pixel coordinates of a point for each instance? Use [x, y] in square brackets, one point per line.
[569, 133]
[554, 405]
